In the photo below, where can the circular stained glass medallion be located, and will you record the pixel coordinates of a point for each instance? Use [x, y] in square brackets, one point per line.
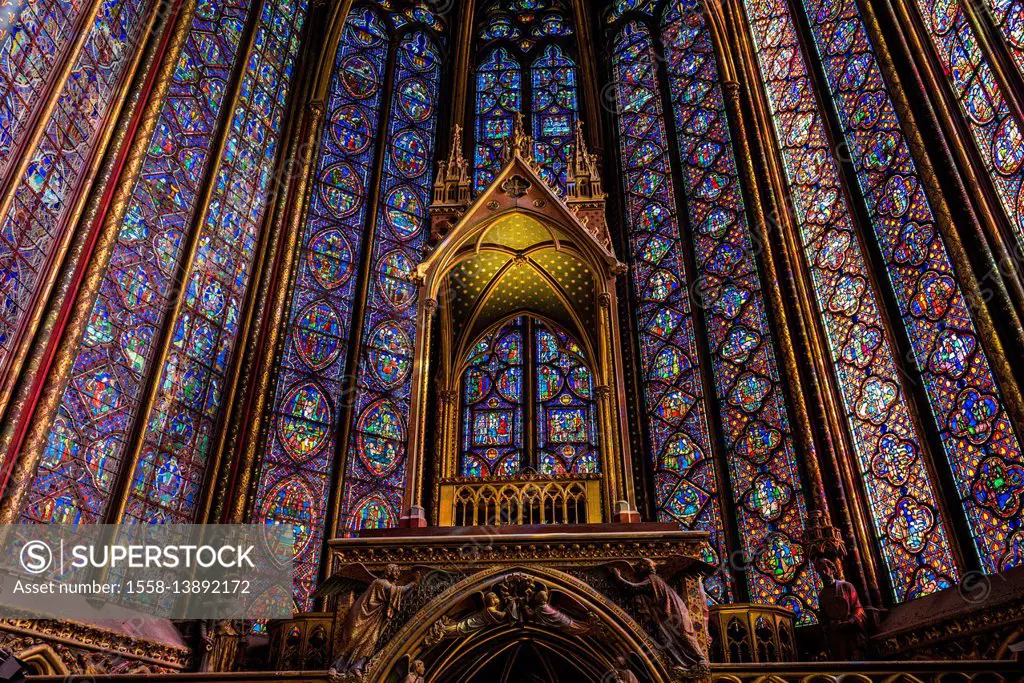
[414, 97]
[359, 76]
[330, 258]
[380, 437]
[393, 279]
[317, 330]
[411, 154]
[291, 502]
[404, 212]
[303, 423]
[351, 129]
[341, 189]
[390, 352]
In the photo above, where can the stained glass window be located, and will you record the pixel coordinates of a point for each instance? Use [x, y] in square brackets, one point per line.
[554, 114]
[35, 223]
[765, 477]
[1009, 17]
[498, 100]
[907, 520]
[566, 416]
[375, 475]
[527, 357]
[685, 479]
[976, 431]
[620, 7]
[294, 483]
[36, 35]
[515, 37]
[99, 405]
[995, 131]
[166, 483]
[492, 396]
[100, 402]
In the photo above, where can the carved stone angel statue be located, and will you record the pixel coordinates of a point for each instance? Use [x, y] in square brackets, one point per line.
[490, 615]
[417, 671]
[668, 611]
[369, 615]
[539, 610]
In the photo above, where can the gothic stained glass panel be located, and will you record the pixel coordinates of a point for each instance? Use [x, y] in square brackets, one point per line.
[685, 480]
[554, 114]
[566, 419]
[907, 521]
[620, 7]
[995, 131]
[294, 483]
[1008, 16]
[976, 431]
[35, 36]
[492, 399]
[100, 402]
[765, 476]
[498, 100]
[166, 483]
[375, 474]
[35, 223]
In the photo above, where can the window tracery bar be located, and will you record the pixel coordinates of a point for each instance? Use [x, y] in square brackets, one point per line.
[765, 476]
[165, 486]
[37, 215]
[375, 471]
[554, 114]
[86, 445]
[976, 431]
[908, 523]
[33, 44]
[498, 100]
[996, 132]
[492, 394]
[294, 483]
[566, 419]
[685, 479]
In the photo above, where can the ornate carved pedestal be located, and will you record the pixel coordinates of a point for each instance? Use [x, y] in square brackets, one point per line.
[467, 600]
[744, 633]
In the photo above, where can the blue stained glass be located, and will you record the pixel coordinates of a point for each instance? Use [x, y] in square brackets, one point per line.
[102, 397]
[375, 475]
[766, 481]
[566, 417]
[45, 195]
[554, 114]
[958, 377]
[294, 482]
[194, 374]
[498, 100]
[685, 478]
[492, 396]
[885, 437]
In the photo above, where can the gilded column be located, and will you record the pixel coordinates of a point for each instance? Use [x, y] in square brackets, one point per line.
[976, 298]
[788, 289]
[249, 419]
[12, 362]
[985, 233]
[413, 514]
[48, 367]
[463, 61]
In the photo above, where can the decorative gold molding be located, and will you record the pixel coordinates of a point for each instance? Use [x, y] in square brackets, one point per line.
[77, 634]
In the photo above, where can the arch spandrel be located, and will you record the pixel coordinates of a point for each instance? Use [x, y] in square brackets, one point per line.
[601, 631]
